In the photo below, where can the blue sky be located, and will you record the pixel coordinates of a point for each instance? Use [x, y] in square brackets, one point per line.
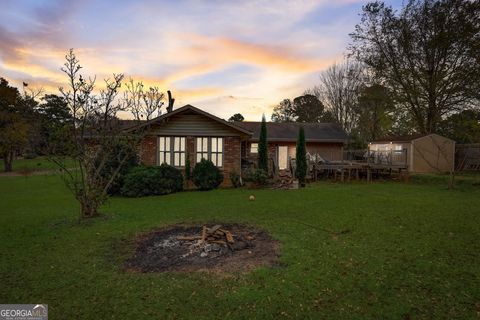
[222, 56]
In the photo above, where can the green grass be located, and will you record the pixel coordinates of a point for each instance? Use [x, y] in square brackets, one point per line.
[462, 181]
[413, 252]
[36, 164]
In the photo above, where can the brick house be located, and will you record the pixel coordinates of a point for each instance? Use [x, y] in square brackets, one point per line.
[194, 133]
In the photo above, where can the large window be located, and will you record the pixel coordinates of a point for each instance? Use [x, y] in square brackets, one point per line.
[171, 150]
[202, 149]
[179, 151]
[164, 153]
[216, 154]
[210, 149]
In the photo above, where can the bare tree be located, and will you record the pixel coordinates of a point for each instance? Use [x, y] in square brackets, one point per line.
[338, 90]
[427, 55]
[143, 104]
[95, 133]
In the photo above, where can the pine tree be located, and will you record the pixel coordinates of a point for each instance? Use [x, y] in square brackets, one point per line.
[188, 171]
[262, 147]
[301, 157]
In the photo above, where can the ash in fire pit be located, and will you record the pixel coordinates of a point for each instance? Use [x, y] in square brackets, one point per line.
[226, 248]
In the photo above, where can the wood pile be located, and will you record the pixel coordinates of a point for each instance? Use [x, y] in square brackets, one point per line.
[214, 234]
[285, 181]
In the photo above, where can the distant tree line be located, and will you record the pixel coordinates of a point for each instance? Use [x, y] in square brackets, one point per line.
[29, 122]
[416, 70]
[81, 125]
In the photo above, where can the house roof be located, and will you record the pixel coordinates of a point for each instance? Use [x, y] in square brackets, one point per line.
[276, 131]
[288, 131]
[189, 107]
[403, 138]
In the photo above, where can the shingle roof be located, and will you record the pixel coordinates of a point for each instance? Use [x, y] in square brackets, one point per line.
[288, 131]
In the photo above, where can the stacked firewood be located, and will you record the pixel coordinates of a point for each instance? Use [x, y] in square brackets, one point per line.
[214, 234]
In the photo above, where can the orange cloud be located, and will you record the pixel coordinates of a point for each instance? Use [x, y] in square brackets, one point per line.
[192, 55]
[261, 55]
[221, 51]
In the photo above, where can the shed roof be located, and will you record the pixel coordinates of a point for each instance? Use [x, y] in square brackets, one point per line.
[288, 131]
[404, 138]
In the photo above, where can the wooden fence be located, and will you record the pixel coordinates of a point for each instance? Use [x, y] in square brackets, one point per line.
[467, 157]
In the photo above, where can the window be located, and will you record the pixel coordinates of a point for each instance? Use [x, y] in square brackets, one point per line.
[179, 151]
[216, 154]
[164, 154]
[210, 149]
[254, 148]
[171, 150]
[202, 149]
[383, 147]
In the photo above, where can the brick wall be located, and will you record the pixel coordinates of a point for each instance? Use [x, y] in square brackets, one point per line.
[253, 157]
[148, 151]
[231, 154]
[231, 158]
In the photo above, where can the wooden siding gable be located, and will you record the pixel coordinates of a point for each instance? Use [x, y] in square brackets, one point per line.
[190, 124]
[191, 121]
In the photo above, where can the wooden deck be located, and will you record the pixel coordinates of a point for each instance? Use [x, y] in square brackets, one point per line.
[348, 170]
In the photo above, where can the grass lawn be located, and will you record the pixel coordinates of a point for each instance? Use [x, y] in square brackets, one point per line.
[413, 252]
[36, 164]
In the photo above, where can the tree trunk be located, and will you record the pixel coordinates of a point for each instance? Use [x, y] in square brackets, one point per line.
[451, 183]
[88, 210]
[8, 160]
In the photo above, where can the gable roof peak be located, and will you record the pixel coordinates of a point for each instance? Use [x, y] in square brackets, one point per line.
[196, 110]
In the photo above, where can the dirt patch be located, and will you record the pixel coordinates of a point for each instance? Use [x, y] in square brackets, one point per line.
[161, 250]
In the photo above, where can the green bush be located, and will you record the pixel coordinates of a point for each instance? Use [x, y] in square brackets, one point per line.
[146, 181]
[257, 176]
[118, 153]
[235, 179]
[206, 175]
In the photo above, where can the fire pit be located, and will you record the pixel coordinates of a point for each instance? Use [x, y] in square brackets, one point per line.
[216, 247]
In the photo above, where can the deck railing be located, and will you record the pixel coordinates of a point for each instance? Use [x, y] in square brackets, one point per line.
[384, 157]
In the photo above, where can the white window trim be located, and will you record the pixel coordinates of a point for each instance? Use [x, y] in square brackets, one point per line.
[171, 150]
[202, 151]
[209, 149]
[216, 153]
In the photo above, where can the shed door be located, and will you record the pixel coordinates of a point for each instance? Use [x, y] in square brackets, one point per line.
[282, 157]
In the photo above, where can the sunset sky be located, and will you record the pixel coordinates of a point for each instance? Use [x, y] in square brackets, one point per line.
[222, 56]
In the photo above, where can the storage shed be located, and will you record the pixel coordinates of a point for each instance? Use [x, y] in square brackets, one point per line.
[422, 153]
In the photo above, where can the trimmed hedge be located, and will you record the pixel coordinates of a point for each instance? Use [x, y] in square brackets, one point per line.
[146, 181]
[206, 175]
